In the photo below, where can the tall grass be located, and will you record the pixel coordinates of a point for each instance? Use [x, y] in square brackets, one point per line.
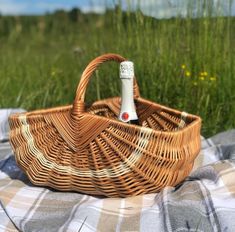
[184, 63]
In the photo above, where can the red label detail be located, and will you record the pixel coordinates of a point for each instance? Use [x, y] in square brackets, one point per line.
[125, 116]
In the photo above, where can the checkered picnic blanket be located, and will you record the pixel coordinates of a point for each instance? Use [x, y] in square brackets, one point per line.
[205, 201]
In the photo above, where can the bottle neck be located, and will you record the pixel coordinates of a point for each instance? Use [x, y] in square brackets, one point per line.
[127, 112]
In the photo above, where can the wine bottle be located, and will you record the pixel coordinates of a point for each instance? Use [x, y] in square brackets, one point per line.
[127, 111]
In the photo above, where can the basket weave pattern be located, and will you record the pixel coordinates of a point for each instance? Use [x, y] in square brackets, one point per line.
[86, 149]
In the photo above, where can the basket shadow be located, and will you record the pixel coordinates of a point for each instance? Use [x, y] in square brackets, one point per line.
[9, 167]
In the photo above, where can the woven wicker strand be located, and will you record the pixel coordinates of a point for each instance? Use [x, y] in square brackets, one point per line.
[86, 149]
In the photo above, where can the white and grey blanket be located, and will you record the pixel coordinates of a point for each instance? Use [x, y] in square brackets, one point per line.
[205, 201]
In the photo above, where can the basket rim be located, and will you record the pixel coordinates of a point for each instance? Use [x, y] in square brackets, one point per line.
[35, 113]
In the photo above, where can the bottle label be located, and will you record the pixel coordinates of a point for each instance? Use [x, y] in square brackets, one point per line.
[125, 116]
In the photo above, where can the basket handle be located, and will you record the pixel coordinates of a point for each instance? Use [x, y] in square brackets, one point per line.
[86, 75]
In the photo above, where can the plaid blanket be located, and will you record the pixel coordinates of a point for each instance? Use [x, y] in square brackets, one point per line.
[205, 201]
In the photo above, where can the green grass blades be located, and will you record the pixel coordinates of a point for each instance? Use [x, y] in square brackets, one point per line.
[184, 63]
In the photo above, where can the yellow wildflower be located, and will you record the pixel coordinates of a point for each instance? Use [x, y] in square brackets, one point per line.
[204, 74]
[183, 66]
[213, 78]
[188, 74]
[202, 78]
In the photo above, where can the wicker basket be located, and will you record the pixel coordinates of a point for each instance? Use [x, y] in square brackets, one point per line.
[86, 149]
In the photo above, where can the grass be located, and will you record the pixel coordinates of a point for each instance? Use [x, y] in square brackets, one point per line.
[184, 63]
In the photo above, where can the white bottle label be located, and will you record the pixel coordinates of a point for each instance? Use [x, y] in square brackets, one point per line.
[127, 111]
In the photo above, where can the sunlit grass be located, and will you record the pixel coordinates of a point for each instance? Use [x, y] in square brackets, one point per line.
[186, 64]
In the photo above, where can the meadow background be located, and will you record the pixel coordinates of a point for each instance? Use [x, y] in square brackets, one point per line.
[187, 63]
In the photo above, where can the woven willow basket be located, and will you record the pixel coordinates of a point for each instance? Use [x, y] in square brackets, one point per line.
[86, 149]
